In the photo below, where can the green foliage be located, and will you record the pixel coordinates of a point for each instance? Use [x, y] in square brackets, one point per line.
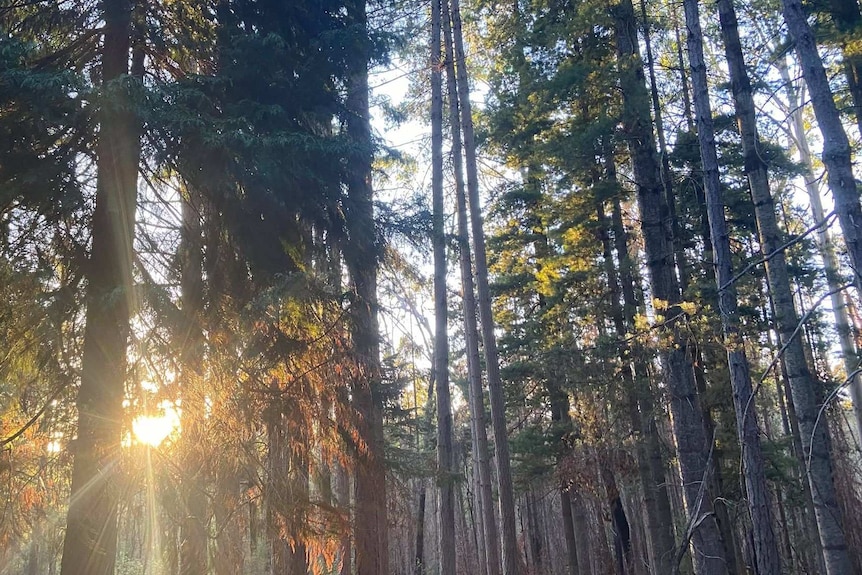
[42, 131]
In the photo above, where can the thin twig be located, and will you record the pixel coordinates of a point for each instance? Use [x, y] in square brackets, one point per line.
[822, 223]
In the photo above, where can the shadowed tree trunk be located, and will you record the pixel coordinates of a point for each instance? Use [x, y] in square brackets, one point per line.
[342, 495]
[764, 542]
[848, 20]
[619, 522]
[836, 157]
[582, 535]
[666, 174]
[371, 525]
[825, 244]
[486, 517]
[445, 473]
[635, 381]
[836, 147]
[90, 543]
[287, 497]
[492, 361]
[193, 536]
[693, 446]
[419, 558]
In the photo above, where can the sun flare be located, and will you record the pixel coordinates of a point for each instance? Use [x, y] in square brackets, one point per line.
[152, 430]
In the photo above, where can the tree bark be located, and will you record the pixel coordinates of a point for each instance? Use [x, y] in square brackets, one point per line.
[90, 542]
[371, 523]
[560, 415]
[193, 537]
[635, 378]
[445, 473]
[582, 535]
[619, 522]
[825, 245]
[836, 147]
[287, 493]
[836, 157]
[666, 174]
[693, 446]
[758, 500]
[419, 557]
[492, 361]
[487, 518]
[342, 495]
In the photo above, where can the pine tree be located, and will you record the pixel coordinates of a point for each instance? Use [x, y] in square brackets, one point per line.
[754, 472]
[445, 470]
[836, 157]
[693, 446]
[492, 360]
[91, 524]
[487, 521]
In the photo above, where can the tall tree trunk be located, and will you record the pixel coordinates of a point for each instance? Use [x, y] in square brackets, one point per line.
[487, 517]
[582, 535]
[492, 362]
[445, 473]
[683, 77]
[419, 557]
[274, 493]
[619, 521]
[342, 495]
[848, 19]
[812, 546]
[90, 543]
[825, 245]
[193, 536]
[666, 174]
[477, 510]
[371, 523]
[560, 416]
[693, 446]
[836, 157]
[765, 545]
[635, 381]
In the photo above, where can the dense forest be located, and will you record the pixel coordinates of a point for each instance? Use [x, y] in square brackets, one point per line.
[564, 287]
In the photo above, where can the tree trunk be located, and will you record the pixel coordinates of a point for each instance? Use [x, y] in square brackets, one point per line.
[90, 543]
[492, 362]
[419, 564]
[193, 536]
[666, 174]
[582, 535]
[445, 473]
[636, 384]
[848, 19]
[342, 494]
[371, 523]
[619, 521]
[487, 518]
[825, 245]
[683, 77]
[765, 545]
[560, 415]
[839, 169]
[836, 157]
[693, 446]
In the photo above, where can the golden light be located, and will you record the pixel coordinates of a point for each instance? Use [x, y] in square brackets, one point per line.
[152, 430]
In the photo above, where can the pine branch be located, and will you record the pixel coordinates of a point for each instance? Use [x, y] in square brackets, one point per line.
[32, 421]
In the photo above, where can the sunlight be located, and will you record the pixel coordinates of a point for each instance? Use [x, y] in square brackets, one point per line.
[152, 430]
